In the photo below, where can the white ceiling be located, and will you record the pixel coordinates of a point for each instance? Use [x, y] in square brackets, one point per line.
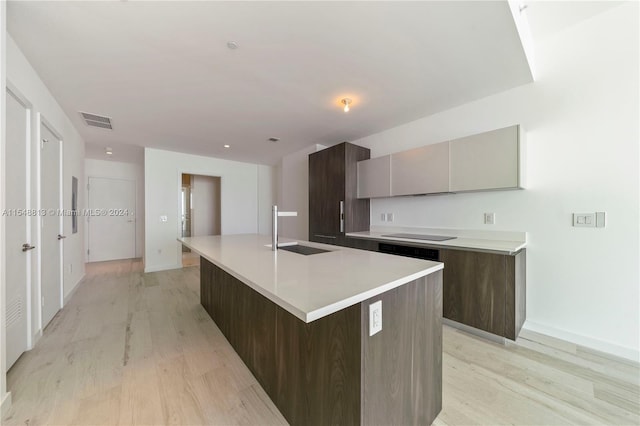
[162, 70]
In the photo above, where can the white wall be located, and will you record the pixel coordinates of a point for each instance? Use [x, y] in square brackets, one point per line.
[267, 196]
[119, 170]
[582, 121]
[5, 399]
[239, 195]
[293, 192]
[25, 79]
[205, 210]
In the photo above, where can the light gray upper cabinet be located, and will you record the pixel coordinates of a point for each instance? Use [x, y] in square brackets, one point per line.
[423, 170]
[374, 177]
[486, 161]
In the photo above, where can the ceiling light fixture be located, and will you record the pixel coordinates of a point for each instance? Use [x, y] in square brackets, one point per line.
[346, 102]
[108, 151]
[232, 45]
[272, 139]
[227, 146]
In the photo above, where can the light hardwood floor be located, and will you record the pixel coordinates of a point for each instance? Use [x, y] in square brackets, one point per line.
[135, 348]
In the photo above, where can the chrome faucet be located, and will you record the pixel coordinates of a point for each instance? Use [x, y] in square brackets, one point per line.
[274, 229]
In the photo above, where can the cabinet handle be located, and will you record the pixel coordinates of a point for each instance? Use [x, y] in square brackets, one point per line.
[325, 236]
[341, 216]
[26, 247]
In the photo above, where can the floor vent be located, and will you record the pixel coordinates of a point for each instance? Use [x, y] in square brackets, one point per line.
[96, 120]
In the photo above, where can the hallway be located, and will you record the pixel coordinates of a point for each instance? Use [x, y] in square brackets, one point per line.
[135, 348]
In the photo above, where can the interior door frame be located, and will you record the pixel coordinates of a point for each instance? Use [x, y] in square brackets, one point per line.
[28, 106]
[42, 121]
[179, 209]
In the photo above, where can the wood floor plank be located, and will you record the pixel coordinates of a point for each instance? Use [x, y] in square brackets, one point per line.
[135, 348]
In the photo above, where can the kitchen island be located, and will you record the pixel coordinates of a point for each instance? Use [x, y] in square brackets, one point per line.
[302, 326]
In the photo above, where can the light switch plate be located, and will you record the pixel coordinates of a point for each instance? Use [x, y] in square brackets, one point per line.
[584, 220]
[375, 317]
[489, 218]
[163, 218]
[601, 219]
[383, 217]
[389, 217]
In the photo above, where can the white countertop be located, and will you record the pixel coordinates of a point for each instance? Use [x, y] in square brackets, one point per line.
[309, 287]
[495, 241]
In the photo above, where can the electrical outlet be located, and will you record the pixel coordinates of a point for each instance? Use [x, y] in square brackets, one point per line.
[375, 317]
[489, 218]
[389, 217]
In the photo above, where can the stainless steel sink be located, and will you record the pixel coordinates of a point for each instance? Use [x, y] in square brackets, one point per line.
[305, 250]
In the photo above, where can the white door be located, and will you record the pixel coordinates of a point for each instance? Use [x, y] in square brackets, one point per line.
[50, 201]
[112, 226]
[17, 244]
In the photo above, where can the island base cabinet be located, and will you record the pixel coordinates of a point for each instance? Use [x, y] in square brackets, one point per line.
[330, 371]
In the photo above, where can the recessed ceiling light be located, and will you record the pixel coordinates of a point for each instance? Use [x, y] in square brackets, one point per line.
[108, 151]
[232, 45]
[272, 139]
[227, 146]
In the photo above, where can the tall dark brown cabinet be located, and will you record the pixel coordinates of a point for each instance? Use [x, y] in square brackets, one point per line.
[334, 208]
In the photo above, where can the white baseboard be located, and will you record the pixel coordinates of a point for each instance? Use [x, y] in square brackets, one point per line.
[589, 342]
[161, 268]
[73, 290]
[5, 405]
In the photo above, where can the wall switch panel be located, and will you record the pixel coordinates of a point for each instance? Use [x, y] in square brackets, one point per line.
[383, 217]
[601, 219]
[585, 220]
[489, 218]
[389, 217]
[163, 218]
[375, 317]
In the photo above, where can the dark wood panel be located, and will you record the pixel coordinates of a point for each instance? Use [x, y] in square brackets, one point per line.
[356, 211]
[402, 376]
[485, 290]
[318, 368]
[458, 270]
[332, 179]
[516, 294]
[326, 190]
[330, 371]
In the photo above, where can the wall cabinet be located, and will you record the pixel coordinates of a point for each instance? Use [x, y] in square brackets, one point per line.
[483, 162]
[486, 161]
[374, 177]
[423, 170]
[485, 290]
[333, 204]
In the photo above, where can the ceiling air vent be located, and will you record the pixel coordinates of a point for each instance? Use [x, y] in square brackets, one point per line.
[96, 120]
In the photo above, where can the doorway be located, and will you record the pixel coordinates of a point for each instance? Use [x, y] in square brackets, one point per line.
[51, 238]
[18, 247]
[200, 210]
[111, 220]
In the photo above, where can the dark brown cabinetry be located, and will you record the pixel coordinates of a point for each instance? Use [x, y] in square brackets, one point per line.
[333, 204]
[485, 290]
[330, 371]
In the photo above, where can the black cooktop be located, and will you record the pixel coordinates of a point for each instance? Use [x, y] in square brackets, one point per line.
[421, 237]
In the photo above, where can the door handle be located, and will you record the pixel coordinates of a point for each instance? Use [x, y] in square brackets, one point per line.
[61, 237]
[27, 246]
[341, 216]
